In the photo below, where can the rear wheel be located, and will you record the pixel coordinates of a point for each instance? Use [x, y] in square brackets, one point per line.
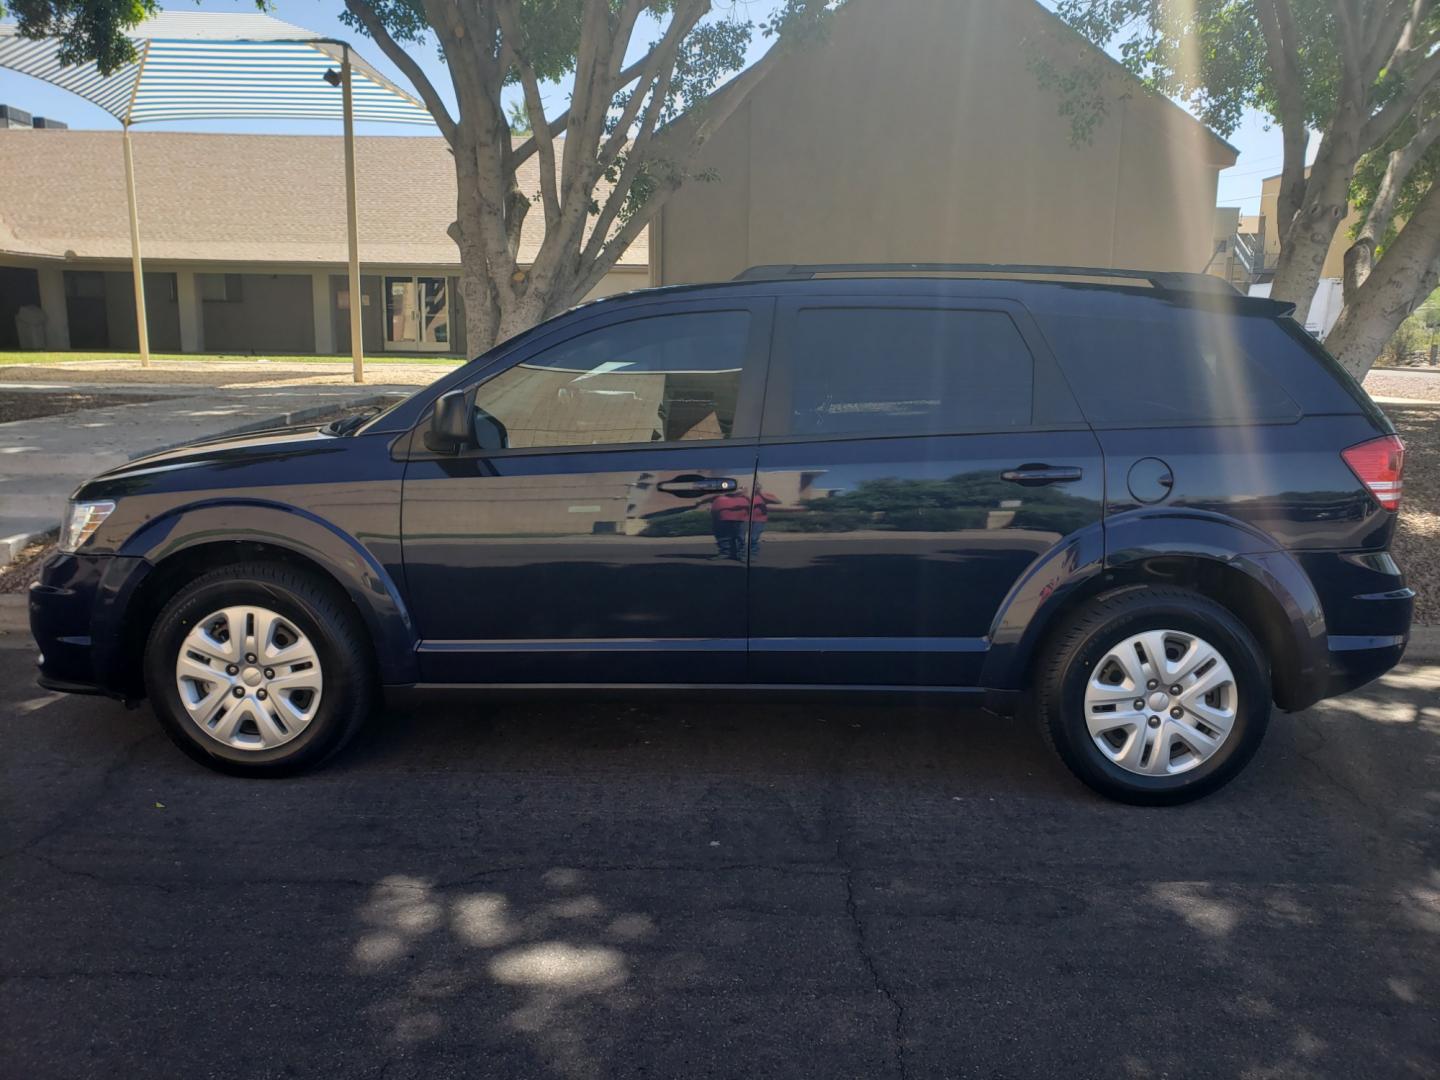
[1154, 695]
[259, 669]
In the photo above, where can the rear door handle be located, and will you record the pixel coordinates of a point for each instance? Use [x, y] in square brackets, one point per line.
[1038, 475]
[695, 484]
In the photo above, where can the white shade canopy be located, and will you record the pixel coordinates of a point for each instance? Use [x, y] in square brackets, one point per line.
[196, 64]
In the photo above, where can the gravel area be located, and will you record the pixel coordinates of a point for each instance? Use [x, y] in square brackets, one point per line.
[222, 373]
[33, 404]
[1417, 540]
[17, 576]
[1417, 385]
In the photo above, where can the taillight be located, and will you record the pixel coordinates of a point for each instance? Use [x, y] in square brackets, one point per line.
[1380, 465]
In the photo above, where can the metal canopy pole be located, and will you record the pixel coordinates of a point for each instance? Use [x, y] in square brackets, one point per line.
[357, 345]
[137, 269]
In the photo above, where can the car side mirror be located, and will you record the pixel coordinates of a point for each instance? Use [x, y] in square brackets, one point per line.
[450, 424]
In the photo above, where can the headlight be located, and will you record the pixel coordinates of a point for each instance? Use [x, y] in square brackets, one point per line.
[83, 520]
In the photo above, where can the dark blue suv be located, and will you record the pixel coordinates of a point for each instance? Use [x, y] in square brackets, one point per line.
[1138, 506]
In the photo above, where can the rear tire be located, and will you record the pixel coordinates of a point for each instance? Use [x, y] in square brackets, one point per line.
[259, 669]
[1093, 695]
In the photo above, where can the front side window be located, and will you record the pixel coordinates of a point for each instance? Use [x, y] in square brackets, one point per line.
[907, 371]
[667, 378]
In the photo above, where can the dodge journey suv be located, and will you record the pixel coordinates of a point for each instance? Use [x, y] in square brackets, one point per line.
[1139, 507]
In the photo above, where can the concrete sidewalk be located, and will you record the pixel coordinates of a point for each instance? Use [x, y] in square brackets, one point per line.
[43, 460]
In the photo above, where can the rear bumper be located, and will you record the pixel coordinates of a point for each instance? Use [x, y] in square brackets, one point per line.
[1368, 608]
[1355, 661]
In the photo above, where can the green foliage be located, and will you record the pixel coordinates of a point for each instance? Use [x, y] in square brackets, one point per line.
[1410, 338]
[1210, 54]
[519, 118]
[87, 30]
[1365, 185]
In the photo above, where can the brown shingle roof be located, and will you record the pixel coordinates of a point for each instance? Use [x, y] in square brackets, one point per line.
[237, 198]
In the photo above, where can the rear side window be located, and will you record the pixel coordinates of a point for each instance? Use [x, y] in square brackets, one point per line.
[907, 371]
[1173, 366]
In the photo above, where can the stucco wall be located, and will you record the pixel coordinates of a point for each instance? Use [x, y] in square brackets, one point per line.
[271, 315]
[162, 315]
[917, 132]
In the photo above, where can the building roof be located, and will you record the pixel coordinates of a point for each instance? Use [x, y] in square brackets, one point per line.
[223, 198]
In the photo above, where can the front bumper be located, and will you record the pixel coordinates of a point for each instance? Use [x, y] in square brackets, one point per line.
[76, 618]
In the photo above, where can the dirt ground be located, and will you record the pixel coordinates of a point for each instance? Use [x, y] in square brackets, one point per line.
[1417, 540]
[33, 404]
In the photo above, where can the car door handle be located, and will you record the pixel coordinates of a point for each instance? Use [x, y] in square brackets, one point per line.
[695, 484]
[1037, 475]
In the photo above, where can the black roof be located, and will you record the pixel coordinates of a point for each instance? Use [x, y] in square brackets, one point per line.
[1073, 290]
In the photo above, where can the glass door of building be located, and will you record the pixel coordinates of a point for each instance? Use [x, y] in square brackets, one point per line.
[417, 314]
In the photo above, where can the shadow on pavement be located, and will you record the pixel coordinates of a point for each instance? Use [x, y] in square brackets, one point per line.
[587, 890]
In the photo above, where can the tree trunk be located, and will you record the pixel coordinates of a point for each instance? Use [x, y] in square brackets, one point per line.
[1395, 287]
[1305, 240]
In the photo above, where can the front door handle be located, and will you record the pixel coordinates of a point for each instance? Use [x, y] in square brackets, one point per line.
[1038, 475]
[695, 484]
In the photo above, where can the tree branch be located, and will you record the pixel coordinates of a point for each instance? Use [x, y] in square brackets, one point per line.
[1418, 82]
[1277, 25]
[658, 65]
[362, 10]
[1360, 256]
[509, 16]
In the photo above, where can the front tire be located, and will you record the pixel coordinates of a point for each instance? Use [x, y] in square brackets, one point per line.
[1153, 696]
[259, 669]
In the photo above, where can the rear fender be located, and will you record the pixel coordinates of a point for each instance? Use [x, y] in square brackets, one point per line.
[1152, 546]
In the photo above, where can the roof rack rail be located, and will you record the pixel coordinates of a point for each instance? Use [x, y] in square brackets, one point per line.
[1166, 280]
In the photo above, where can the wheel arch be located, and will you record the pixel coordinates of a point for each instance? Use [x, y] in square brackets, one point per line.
[1266, 589]
[182, 546]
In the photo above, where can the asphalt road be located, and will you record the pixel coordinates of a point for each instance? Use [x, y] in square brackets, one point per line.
[680, 891]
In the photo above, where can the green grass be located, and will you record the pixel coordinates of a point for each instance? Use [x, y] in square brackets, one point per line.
[43, 358]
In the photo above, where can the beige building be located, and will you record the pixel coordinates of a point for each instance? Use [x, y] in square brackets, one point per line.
[244, 242]
[920, 133]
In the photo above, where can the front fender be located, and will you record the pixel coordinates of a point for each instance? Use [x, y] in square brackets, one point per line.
[342, 556]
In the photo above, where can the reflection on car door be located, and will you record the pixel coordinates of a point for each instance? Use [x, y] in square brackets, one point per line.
[600, 544]
[914, 462]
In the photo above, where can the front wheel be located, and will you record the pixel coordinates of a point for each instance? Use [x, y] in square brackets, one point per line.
[259, 669]
[1153, 695]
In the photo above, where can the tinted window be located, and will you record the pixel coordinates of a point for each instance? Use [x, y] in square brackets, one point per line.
[671, 378]
[907, 371]
[1170, 365]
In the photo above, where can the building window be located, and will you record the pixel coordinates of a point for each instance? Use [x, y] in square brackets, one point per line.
[220, 288]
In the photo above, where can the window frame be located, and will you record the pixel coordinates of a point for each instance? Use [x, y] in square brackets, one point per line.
[1052, 404]
[744, 430]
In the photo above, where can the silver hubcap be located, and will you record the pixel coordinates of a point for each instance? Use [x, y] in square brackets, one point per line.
[248, 677]
[1161, 702]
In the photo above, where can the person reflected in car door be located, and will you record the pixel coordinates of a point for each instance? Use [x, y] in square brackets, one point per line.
[727, 521]
[759, 517]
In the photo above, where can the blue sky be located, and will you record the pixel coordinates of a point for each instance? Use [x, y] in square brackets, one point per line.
[1260, 149]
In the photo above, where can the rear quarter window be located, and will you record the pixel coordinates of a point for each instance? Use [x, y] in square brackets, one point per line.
[1176, 366]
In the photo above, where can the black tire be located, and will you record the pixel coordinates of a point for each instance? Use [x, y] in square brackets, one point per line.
[1069, 656]
[320, 611]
